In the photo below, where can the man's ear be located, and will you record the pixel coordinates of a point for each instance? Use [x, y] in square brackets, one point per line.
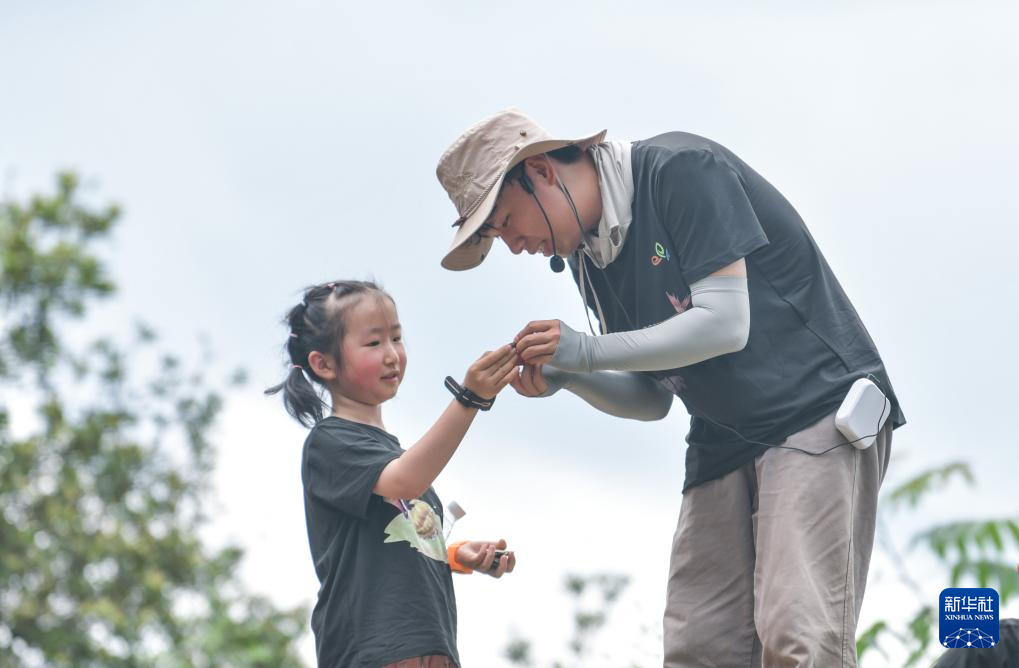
[323, 365]
[542, 169]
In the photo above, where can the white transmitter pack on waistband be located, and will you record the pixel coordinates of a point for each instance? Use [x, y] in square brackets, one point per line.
[863, 413]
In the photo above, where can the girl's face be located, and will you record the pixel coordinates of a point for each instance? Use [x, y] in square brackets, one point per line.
[373, 359]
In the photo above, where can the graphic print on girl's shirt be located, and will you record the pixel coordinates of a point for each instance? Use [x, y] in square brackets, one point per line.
[419, 525]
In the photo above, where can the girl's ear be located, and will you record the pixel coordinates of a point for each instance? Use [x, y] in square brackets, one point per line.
[323, 365]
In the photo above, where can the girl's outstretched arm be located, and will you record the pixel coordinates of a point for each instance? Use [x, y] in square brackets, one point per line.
[412, 473]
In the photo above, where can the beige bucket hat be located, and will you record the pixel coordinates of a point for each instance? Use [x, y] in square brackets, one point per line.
[473, 168]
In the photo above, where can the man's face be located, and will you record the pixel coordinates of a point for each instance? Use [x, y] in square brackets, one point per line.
[518, 221]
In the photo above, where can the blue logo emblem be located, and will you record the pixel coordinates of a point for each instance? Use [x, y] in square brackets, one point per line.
[968, 618]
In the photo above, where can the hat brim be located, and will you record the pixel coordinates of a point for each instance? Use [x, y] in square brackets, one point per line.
[467, 250]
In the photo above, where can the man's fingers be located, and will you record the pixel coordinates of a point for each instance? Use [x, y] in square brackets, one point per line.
[537, 379]
[527, 380]
[534, 326]
[526, 384]
[531, 340]
[529, 374]
[539, 351]
[528, 328]
[522, 384]
[524, 352]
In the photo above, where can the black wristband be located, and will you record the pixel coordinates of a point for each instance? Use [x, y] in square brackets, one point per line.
[466, 397]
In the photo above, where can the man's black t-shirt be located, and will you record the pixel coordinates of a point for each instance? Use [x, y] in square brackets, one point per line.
[697, 208]
[386, 588]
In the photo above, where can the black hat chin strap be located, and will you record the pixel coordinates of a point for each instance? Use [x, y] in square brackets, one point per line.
[576, 215]
[585, 277]
[556, 263]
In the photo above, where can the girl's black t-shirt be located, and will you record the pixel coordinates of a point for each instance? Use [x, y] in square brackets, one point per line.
[386, 588]
[696, 209]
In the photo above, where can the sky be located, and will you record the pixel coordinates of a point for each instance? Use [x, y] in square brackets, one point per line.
[259, 147]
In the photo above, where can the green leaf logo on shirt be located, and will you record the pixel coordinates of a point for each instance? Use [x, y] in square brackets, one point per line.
[661, 253]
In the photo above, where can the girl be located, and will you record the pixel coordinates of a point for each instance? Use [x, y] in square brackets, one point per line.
[374, 522]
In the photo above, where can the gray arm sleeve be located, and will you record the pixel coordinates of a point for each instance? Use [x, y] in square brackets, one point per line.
[717, 322]
[624, 394]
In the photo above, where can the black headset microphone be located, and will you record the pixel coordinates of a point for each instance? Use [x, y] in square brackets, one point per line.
[556, 263]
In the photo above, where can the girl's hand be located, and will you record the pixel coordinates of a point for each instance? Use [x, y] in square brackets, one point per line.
[480, 556]
[492, 372]
[530, 382]
[537, 343]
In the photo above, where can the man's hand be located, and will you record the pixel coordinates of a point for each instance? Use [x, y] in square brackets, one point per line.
[479, 555]
[530, 382]
[537, 342]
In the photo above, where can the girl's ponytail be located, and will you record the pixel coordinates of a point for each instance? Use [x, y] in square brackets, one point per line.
[299, 398]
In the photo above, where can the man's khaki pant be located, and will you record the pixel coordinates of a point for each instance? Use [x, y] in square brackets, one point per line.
[769, 562]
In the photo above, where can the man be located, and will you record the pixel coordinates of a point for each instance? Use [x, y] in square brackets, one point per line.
[707, 286]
